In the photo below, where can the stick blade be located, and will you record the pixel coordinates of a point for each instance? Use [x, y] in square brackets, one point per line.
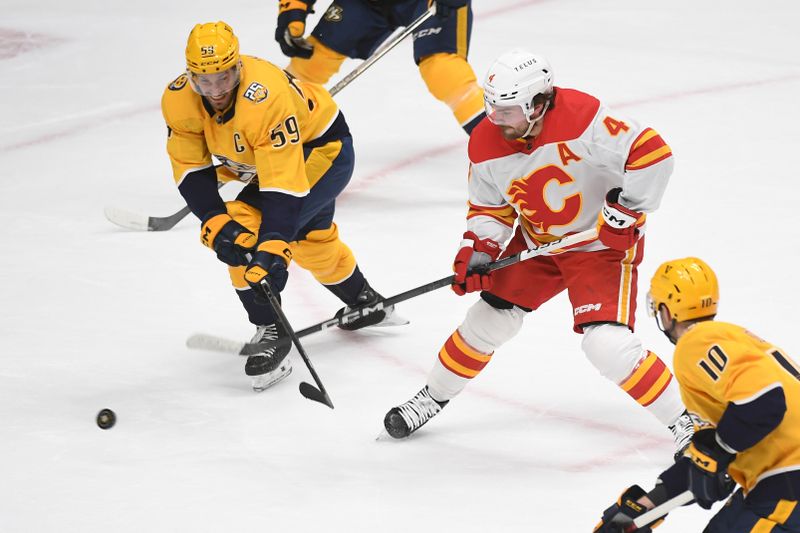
[314, 394]
[211, 343]
[127, 219]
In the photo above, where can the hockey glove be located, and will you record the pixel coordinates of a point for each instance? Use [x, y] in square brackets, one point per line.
[268, 263]
[229, 239]
[471, 262]
[444, 8]
[708, 473]
[291, 27]
[619, 517]
[618, 226]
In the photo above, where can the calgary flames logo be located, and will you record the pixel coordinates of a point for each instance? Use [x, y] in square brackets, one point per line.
[528, 195]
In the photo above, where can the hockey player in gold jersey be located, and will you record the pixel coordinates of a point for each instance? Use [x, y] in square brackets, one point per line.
[744, 393]
[355, 28]
[290, 144]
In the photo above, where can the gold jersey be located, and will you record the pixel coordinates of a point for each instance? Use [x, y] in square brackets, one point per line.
[718, 363]
[260, 136]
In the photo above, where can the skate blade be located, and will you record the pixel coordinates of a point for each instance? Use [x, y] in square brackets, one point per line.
[265, 381]
[392, 320]
[384, 436]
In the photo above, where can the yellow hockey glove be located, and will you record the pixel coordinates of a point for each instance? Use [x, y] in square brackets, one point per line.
[292, 26]
[229, 239]
[269, 263]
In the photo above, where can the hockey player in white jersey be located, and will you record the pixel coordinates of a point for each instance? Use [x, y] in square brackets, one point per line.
[555, 161]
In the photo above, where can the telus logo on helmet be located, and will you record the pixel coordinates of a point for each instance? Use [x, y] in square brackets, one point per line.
[525, 65]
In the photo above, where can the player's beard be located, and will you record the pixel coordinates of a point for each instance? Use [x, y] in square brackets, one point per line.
[222, 103]
[513, 132]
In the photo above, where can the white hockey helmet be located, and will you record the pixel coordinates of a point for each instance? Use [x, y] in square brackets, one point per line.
[515, 79]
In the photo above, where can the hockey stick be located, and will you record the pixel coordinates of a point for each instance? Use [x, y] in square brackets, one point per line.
[210, 342]
[306, 389]
[382, 51]
[137, 221]
[661, 510]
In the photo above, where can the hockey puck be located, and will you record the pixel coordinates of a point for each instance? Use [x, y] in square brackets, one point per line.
[106, 419]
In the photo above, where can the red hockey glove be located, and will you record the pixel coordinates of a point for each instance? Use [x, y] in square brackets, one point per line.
[618, 226]
[291, 27]
[619, 517]
[470, 263]
[229, 239]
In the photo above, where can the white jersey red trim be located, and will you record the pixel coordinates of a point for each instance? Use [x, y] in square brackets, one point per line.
[556, 184]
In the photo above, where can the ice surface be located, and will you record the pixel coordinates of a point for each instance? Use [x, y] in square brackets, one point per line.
[93, 316]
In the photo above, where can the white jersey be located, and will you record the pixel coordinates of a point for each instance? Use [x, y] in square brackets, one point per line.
[556, 184]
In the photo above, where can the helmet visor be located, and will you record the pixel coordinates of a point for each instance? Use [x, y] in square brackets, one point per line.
[651, 305]
[506, 115]
[216, 84]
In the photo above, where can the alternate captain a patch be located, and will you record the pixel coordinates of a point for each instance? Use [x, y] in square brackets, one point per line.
[256, 92]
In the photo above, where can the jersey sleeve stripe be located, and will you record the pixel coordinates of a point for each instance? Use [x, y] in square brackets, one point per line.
[505, 222]
[648, 148]
[649, 159]
[297, 194]
[504, 214]
[758, 394]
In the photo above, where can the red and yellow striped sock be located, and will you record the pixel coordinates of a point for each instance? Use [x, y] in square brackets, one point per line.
[648, 381]
[462, 359]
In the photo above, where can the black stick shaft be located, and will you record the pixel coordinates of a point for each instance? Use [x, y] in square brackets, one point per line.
[319, 394]
[169, 222]
[569, 241]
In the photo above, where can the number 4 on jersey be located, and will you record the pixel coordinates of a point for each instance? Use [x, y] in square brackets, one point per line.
[615, 126]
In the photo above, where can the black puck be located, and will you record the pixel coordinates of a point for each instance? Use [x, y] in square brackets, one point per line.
[106, 419]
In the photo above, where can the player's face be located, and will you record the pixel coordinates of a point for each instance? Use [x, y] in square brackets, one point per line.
[512, 120]
[218, 88]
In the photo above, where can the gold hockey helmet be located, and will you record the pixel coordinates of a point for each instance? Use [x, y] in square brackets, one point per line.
[687, 287]
[212, 47]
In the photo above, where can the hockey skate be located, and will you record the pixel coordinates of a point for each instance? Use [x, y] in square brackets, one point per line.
[405, 419]
[383, 317]
[682, 431]
[271, 366]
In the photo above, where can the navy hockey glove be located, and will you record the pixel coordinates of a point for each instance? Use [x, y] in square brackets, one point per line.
[470, 264]
[269, 263]
[708, 473]
[618, 226]
[229, 239]
[292, 26]
[619, 517]
[445, 7]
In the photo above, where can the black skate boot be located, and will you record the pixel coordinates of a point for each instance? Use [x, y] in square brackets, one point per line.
[405, 419]
[272, 365]
[368, 298]
[682, 431]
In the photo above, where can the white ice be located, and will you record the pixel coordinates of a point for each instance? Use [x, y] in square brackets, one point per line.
[93, 316]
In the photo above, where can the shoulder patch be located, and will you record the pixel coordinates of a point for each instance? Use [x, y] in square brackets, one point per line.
[256, 92]
[179, 83]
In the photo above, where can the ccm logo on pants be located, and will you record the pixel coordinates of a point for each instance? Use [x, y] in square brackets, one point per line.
[586, 308]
